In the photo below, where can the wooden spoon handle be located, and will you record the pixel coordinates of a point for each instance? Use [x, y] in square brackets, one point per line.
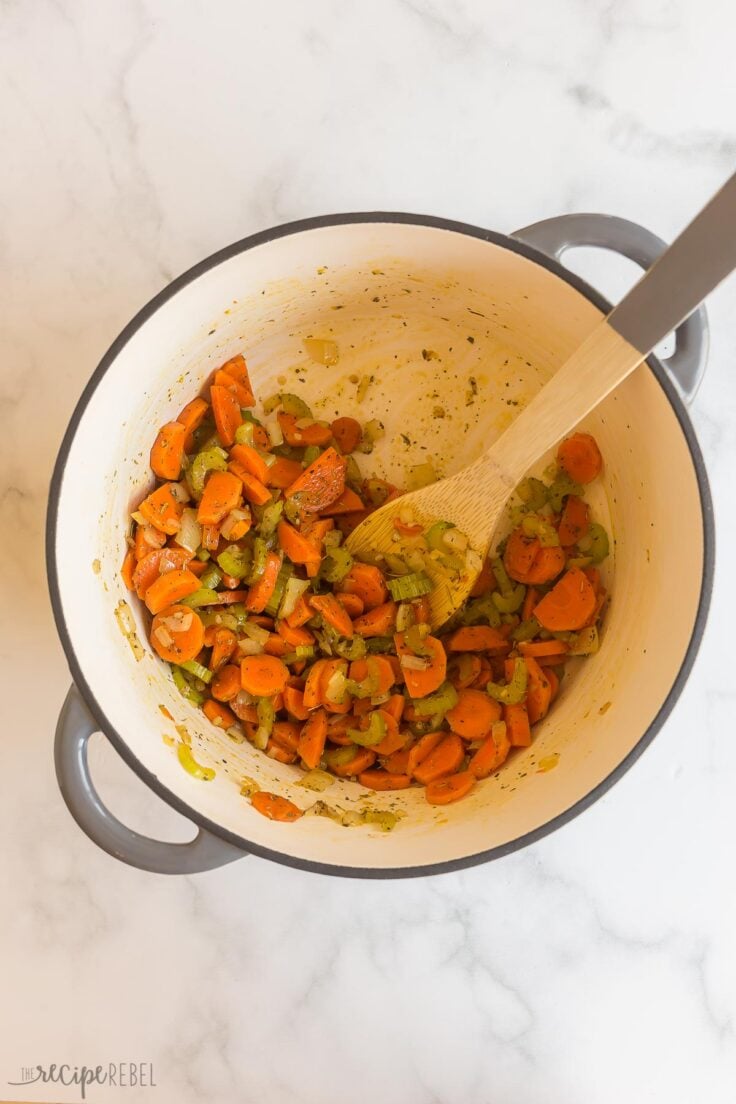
[695, 263]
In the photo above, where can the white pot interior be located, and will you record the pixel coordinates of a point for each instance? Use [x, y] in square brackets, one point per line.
[385, 292]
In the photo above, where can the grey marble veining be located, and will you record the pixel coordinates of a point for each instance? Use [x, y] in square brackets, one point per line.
[596, 966]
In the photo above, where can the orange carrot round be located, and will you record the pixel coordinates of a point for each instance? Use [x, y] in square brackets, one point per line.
[226, 684]
[263, 675]
[382, 780]
[443, 759]
[368, 583]
[426, 681]
[568, 605]
[580, 457]
[167, 451]
[221, 495]
[574, 521]
[444, 791]
[218, 714]
[177, 634]
[348, 434]
[474, 715]
[226, 410]
[478, 638]
[170, 588]
[275, 807]
[312, 739]
[191, 418]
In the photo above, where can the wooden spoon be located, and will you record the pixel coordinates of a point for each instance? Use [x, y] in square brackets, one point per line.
[474, 498]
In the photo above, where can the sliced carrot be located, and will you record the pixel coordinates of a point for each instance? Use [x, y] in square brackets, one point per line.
[333, 612]
[539, 648]
[218, 714]
[312, 739]
[128, 568]
[444, 759]
[224, 644]
[294, 703]
[191, 418]
[421, 683]
[539, 691]
[550, 661]
[337, 730]
[169, 588]
[485, 759]
[161, 510]
[553, 681]
[221, 495]
[260, 592]
[251, 460]
[237, 368]
[548, 563]
[368, 583]
[157, 563]
[394, 740]
[300, 435]
[173, 644]
[520, 553]
[263, 675]
[297, 547]
[283, 472]
[398, 763]
[348, 434]
[362, 761]
[167, 451]
[485, 674]
[465, 670]
[313, 686]
[319, 484]
[279, 753]
[517, 725]
[376, 622]
[275, 807]
[226, 410]
[580, 457]
[276, 645]
[424, 745]
[197, 567]
[574, 522]
[222, 379]
[346, 503]
[331, 666]
[568, 605]
[294, 636]
[226, 684]
[593, 575]
[395, 704]
[422, 613]
[477, 638]
[146, 540]
[210, 537]
[446, 790]
[352, 603]
[486, 580]
[287, 734]
[474, 715]
[530, 600]
[300, 615]
[382, 780]
[253, 490]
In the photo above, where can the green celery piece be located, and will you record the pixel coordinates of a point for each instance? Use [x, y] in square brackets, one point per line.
[515, 690]
[443, 699]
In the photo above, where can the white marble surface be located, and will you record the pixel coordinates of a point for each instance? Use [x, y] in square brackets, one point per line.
[137, 137]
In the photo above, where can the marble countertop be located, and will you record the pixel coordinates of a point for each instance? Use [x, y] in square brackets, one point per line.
[596, 966]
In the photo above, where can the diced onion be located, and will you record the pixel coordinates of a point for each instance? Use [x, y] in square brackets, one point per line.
[138, 517]
[274, 432]
[379, 699]
[250, 647]
[415, 663]
[335, 689]
[322, 350]
[474, 562]
[163, 636]
[151, 536]
[406, 515]
[190, 531]
[256, 632]
[179, 492]
[178, 622]
[233, 519]
[455, 540]
[292, 593]
[302, 423]
[404, 617]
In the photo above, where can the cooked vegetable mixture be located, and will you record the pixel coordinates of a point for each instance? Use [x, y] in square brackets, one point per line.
[280, 636]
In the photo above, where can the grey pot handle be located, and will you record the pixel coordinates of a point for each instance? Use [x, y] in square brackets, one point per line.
[73, 730]
[553, 236]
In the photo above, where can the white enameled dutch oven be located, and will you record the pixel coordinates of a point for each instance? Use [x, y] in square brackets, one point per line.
[439, 314]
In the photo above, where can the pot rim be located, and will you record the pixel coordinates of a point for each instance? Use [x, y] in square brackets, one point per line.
[119, 743]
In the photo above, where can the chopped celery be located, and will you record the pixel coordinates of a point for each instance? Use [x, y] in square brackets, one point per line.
[292, 593]
[235, 561]
[379, 645]
[332, 538]
[509, 603]
[271, 403]
[285, 573]
[376, 491]
[340, 756]
[266, 714]
[585, 642]
[291, 510]
[404, 617]
[191, 766]
[527, 630]
[515, 690]
[209, 459]
[381, 818]
[372, 735]
[311, 453]
[580, 561]
[595, 543]
[248, 416]
[503, 582]
[224, 619]
[196, 669]
[294, 405]
[270, 518]
[205, 596]
[562, 486]
[480, 610]
[211, 577]
[316, 780]
[184, 687]
[302, 651]
[289, 452]
[372, 431]
[260, 552]
[351, 649]
[435, 535]
[438, 703]
[533, 493]
[244, 434]
[336, 565]
[409, 586]
[353, 476]
[544, 531]
[203, 555]
[395, 564]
